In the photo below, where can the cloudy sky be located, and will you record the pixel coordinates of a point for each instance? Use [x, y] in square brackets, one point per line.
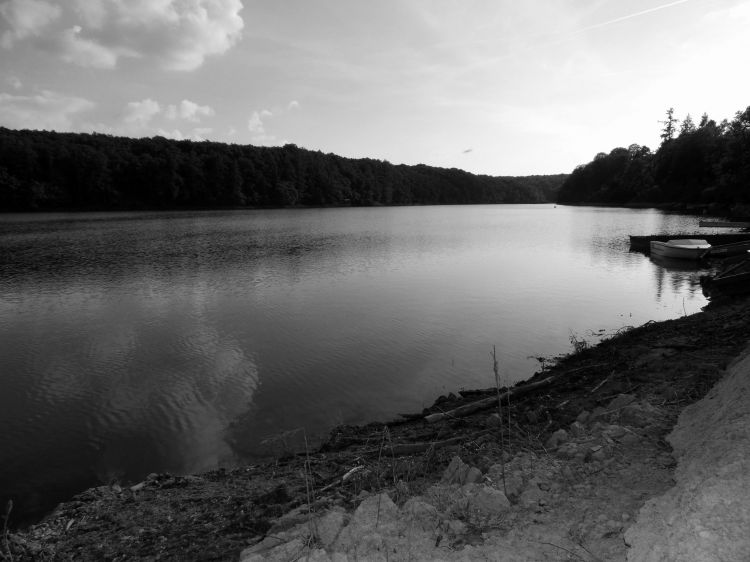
[498, 87]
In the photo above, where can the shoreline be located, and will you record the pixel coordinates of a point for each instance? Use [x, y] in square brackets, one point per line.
[215, 515]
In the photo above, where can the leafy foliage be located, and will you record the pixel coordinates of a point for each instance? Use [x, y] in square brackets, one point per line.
[704, 165]
[41, 170]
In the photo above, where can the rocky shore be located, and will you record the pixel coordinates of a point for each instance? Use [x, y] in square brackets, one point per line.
[594, 458]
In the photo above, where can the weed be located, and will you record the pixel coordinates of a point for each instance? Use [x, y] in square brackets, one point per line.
[579, 344]
[500, 413]
[6, 516]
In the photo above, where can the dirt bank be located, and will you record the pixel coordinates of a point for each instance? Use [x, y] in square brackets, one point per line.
[523, 489]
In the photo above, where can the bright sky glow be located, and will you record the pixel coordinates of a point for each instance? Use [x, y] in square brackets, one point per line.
[497, 87]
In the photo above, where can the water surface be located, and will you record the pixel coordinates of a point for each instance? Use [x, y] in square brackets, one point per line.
[141, 342]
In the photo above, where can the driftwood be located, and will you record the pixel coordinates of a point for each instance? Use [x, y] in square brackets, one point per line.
[486, 403]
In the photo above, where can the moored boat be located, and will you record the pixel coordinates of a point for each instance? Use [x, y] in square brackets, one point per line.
[734, 279]
[685, 249]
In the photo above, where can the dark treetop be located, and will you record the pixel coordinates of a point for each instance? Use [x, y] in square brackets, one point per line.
[41, 170]
[704, 164]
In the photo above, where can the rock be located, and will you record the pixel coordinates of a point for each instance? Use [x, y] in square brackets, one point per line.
[583, 417]
[455, 527]
[375, 517]
[530, 497]
[485, 503]
[567, 451]
[422, 514]
[556, 439]
[513, 484]
[328, 527]
[620, 401]
[639, 414]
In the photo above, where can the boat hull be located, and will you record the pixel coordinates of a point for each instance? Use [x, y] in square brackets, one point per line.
[680, 249]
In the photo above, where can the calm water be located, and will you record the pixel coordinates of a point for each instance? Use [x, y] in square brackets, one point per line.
[136, 343]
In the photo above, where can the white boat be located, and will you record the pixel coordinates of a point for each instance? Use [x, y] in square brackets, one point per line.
[684, 249]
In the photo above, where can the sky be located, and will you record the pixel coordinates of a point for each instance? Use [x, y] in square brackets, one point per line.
[498, 87]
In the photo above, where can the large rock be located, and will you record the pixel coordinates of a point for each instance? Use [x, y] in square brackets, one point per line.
[706, 515]
[458, 472]
[480, 504]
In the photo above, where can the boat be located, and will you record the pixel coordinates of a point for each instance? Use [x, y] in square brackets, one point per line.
[728, 250]
[734, 279]
[642, 243]
[684, 248]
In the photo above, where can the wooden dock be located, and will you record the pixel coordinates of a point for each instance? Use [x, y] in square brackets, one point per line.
[643, 243]
[724, 224]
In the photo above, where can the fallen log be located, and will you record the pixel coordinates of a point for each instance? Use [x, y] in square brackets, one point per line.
[486, 403]
[401, 449]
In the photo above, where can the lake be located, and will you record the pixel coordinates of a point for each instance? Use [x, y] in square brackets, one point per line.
[133, 343]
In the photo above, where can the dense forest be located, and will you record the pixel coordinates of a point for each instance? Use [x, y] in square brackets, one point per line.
[707, 164]
[41, 170]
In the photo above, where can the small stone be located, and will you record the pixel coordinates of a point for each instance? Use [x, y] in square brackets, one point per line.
[556, 439]
[493, 420]
[577, 429]
[455, 472]
[599, 455]
[472, 476]
[597, 414]
[583, 417]
[458, 472]
[615, 431]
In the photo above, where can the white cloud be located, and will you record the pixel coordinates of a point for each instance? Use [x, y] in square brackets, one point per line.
[179, 34]
[189, 110]
[44, 110]
[26, 18]
[197, 134]
[255, 124]
[139, 113]
[85, 52]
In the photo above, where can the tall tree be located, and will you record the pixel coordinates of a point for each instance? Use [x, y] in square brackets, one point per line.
[667, 133]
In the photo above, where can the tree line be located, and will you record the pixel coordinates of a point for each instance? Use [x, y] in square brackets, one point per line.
[697, 165]
[44, 170]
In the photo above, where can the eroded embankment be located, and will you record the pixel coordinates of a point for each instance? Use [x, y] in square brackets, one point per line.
[706, 515]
